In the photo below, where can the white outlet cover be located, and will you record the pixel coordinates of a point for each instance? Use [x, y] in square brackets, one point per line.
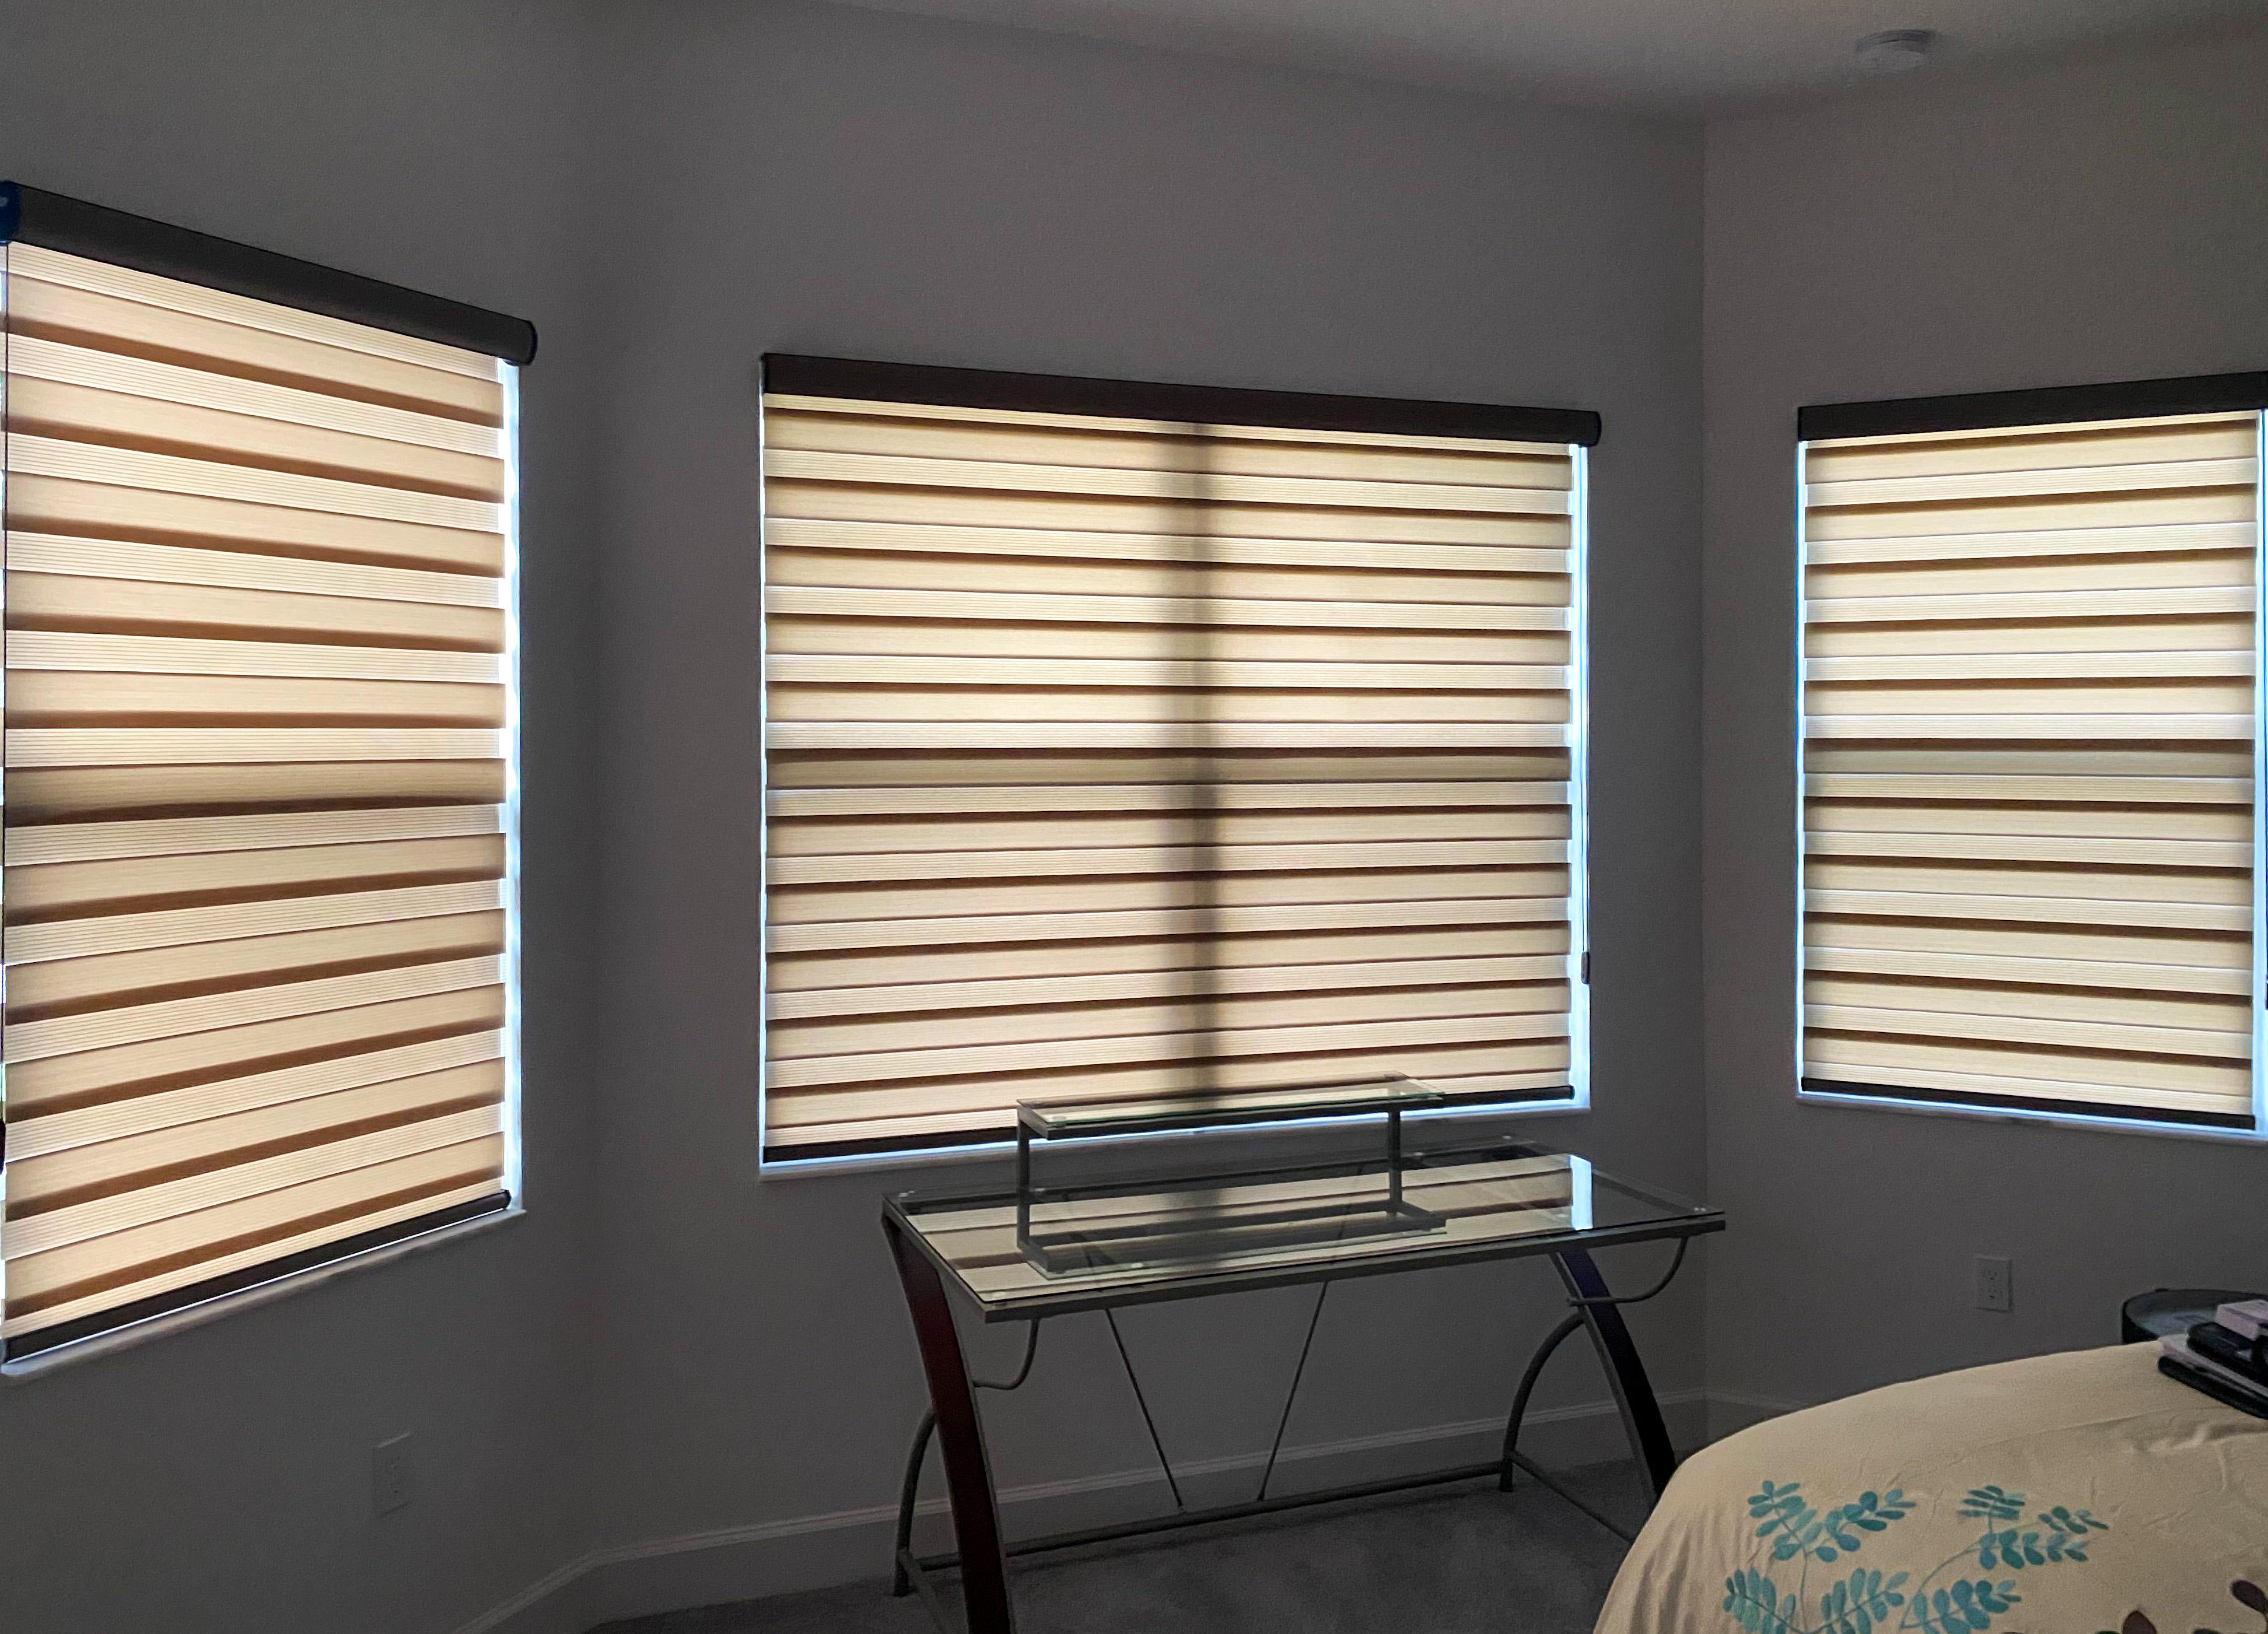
[390, 1472]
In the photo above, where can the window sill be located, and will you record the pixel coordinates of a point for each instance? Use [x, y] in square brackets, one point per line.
[2078, 1122]
[244, 1299]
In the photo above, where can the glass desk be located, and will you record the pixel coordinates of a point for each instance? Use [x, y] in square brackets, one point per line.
[1131, 1242]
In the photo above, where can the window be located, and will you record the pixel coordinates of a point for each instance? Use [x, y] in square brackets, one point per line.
[2031, 722]
[1124, 739]
[259, 844]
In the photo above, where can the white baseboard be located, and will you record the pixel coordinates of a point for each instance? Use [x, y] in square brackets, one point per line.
[1730, 1412]
[818, 1551]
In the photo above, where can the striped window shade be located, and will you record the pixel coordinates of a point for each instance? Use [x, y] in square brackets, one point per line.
[2031, 643]
[1128, 739]
[259, 863]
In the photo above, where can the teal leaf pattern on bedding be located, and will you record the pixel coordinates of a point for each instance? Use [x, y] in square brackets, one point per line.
[1755, 1604]
[1796, 1528]
[1861, 1602]
[1990, 1503]
[2064, 1538]
[1788, 1529]
[1966, 1606]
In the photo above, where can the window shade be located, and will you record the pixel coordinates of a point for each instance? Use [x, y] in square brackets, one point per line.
[1118, 754]
[2029, 724]
[258, 857]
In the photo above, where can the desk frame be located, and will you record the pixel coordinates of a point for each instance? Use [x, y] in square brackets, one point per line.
[983, 1554]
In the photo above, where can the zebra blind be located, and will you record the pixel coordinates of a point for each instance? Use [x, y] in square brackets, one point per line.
[257, 860]
[1128, 755]
[2030, 726]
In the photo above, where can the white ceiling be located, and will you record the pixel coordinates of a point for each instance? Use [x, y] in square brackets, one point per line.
[1662, 54]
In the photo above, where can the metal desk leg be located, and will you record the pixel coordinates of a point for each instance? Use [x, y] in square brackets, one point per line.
[961, 1439]
[1649, 1437]
[1568, 1325]
[909, 1496]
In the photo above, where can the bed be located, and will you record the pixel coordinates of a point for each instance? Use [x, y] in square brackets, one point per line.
[2067, 1494]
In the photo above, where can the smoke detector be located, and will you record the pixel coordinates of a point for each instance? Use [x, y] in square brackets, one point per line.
[1894, 50]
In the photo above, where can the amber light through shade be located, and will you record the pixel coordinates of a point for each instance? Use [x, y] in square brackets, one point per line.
[2030, 726]
[257, 738]
[1128, 756]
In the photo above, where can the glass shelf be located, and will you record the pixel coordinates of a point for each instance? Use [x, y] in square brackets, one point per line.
[1061, 1235]
[1151, 1115]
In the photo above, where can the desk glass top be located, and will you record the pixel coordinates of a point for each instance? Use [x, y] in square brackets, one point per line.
[1496, 1199]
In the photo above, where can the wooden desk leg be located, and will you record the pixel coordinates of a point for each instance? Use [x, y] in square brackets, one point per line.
[961, 1439]
[1649, 1437]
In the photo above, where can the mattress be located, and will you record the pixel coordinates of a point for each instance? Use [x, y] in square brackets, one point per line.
[2066, 1494]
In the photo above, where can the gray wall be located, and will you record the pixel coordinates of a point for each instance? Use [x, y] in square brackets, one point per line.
[218, 1480]
[836, 181]
[2097, 220]
[670, 1351]
[667, 192]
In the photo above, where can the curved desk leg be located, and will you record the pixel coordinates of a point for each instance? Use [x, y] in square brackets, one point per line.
[910, 1495]
[1573, 1320]
[961, 1439]
[1649, 1437]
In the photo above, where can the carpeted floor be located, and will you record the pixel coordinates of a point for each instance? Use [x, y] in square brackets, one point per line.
[1465, 1562]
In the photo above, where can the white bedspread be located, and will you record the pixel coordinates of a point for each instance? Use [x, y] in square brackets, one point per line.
[2066, 1494]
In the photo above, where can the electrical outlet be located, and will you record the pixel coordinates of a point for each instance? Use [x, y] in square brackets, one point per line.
[390, 1470]
[1996, 1287]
